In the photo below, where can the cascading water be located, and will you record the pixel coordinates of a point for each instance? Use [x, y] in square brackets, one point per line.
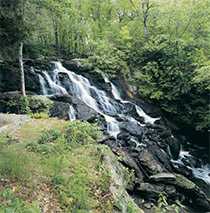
[115, 92]
[54, 87]
[147, 118]
[43, 84]
[201, 172]
[99, 101]
[95, 98]
[72, 113]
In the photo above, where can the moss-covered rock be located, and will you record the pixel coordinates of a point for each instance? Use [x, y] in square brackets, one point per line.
[120, 178]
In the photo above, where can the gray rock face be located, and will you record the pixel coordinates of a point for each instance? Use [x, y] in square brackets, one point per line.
[83, 112]
[163, 177]
[132, 128]
[60, 110]
[150, 165]
[153, 191]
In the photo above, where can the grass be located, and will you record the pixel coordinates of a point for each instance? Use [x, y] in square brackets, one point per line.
[54, 160]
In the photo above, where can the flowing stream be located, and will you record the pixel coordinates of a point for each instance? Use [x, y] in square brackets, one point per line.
[95, 98]
[108, 107]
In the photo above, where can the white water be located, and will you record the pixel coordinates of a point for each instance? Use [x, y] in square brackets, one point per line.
[95, 98]
[147, 118]
[57, 89]
[115, 92]
[72, 113]
[202, 172]
[112, 126]
[140, 111]
[42, 83]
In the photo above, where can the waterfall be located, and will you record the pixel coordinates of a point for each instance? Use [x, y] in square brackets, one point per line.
[115, 92]
[112, 126]
[202, 173]
[140, 112]
[55, 88]
[146, 117]
[43, 85]
[113, 109]
[93, 97]
[72, 113]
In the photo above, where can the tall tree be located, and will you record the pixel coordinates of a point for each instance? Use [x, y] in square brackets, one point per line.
[14, 31]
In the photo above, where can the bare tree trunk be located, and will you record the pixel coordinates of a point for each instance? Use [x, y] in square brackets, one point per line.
[23, 90]
[145, 7]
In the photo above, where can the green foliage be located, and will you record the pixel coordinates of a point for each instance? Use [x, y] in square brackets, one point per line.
[81, 133]
[109, 60]
[11, 203]
[20, 105]
[24, 105]
[74, 173]
[164, 71]
[15, 165]
[39, 115]
[49, 136]
[39, 104]
[164, 207]
[169, 65]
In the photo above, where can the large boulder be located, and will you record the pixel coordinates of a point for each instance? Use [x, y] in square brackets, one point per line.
[149, 164]
[60, 110]
[194, 196]
[153, 191]
[83, 111]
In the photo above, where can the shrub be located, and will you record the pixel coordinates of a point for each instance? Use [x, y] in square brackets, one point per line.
[40, 104]
[49, 136]
[18, 105]
[163, 70]
[81, 132]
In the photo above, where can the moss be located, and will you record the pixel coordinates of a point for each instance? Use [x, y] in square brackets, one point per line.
[183, 182]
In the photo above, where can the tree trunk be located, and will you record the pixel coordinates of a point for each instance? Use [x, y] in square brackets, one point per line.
[23, 90]
[145, 7]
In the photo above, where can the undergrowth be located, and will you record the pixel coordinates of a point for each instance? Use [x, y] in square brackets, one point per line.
[67, 159]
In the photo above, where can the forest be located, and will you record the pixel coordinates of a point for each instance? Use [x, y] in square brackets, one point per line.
[157, 52]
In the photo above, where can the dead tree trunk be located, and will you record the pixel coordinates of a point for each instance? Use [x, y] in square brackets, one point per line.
[23, 90]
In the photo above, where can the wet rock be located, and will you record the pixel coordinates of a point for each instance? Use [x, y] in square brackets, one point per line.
[60, 110]
[84, 112]
[174, 147]
[161, 156]
[77, 65]
[126, 160]
[180, 168]
[149, 164]
[193, 194]
[133, 128]
[123, 201]
[163, 177]
[123, 136]
[153, 191]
